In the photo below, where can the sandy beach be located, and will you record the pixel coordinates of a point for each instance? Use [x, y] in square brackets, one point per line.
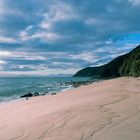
[107, 110]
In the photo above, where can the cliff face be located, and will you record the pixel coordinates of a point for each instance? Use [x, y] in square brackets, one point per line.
[125, 65]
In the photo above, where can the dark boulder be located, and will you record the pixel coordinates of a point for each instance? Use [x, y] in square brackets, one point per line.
[27, 95]
[53, 93]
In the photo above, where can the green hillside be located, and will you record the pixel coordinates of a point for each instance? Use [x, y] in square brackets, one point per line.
[125, 65]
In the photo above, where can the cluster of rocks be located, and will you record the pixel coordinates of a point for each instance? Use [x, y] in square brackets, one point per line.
[29, 94]
[77, 83]
[70, 83]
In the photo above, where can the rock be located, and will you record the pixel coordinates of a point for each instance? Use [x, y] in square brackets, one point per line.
[77, 83]
[27, 95]
[36, 94]
[43, 94]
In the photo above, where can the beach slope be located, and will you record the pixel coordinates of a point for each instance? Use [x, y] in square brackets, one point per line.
[107, 110]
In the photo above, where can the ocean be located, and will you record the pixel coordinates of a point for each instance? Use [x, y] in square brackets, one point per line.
[11, 88]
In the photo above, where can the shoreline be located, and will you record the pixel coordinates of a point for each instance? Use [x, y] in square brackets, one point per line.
[21, 99]
[102, 110]
[68, 86]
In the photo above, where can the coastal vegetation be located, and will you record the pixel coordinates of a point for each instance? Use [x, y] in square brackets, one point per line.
[124, 65]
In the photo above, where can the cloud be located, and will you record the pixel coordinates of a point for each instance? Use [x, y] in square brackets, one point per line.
[50, 72]
[1, 7]
[5, 54]
[21, 55]
[60, 37]
[45, 36]
[2, 62]
[7, 40]
[135, 2]
[86, 56]
[58, 12]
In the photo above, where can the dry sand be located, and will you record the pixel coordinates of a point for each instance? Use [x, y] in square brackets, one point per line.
[108, 110]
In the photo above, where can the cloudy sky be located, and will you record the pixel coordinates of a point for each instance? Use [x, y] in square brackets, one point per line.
[59, 37]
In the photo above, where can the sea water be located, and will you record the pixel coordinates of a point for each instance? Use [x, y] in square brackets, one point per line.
[12, 88]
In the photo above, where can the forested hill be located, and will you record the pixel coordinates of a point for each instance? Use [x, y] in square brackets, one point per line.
[125, 65]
